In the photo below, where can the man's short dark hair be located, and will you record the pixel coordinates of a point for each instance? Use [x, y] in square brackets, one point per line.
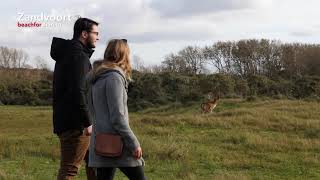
[82, 24]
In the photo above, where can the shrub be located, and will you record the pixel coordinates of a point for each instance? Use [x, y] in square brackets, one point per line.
[307, 86]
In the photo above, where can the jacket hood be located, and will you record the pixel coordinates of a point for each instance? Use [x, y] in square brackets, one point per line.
[61, 47]
[93, 78]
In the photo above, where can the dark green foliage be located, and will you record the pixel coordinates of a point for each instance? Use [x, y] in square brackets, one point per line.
[307, 86]
[218, 84]
[155, 89]
[19, 92]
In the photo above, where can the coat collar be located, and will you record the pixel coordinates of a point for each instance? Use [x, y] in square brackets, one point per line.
[86, 49]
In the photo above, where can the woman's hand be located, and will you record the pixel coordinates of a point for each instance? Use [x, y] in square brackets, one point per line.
[137, 153]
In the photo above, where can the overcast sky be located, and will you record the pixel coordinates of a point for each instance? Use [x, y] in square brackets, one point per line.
[155, 28]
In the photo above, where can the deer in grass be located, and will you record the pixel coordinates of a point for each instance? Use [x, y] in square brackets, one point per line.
[207, 107]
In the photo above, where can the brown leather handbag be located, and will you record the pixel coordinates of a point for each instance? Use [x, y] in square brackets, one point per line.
[108, 145]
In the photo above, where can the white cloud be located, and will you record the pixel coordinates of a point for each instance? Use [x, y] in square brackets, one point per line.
[157, 27]
[168, 8]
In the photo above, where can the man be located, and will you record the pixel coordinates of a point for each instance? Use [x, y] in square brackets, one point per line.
[71, 119]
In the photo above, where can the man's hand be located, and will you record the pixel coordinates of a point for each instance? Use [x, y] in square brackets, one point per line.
[137, 153]
[87, 131]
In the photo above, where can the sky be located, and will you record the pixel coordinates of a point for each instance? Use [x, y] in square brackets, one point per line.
[156, 28]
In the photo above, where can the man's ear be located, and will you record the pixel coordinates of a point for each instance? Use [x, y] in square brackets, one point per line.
[84, 34]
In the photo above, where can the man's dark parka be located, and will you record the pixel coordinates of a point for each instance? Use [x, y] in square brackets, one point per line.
[72, 64]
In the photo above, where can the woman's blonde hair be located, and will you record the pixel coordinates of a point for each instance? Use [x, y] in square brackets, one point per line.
[117, 54]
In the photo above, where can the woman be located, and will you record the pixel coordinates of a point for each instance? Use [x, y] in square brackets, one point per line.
[109, 109]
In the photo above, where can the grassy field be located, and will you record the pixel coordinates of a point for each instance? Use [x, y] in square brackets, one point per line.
[276, 139]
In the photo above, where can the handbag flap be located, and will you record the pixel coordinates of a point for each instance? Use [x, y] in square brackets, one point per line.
[109, 145]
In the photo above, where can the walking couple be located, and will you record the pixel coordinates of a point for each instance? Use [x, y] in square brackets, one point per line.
[90, 100]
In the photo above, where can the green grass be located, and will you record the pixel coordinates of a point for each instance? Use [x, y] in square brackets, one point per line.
[275, 139]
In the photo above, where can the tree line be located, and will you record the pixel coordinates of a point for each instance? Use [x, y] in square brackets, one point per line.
[231, 69]
[245, 58]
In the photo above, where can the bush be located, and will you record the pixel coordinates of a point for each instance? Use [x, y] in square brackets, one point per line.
[251, 98]
[219, 84]
[154, 89]
[241, 87]
[139, 105]
[19, 92]
[261, 85]
[176, 87]
[307, 86]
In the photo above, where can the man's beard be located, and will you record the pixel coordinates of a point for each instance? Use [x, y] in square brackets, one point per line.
[90, 44]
